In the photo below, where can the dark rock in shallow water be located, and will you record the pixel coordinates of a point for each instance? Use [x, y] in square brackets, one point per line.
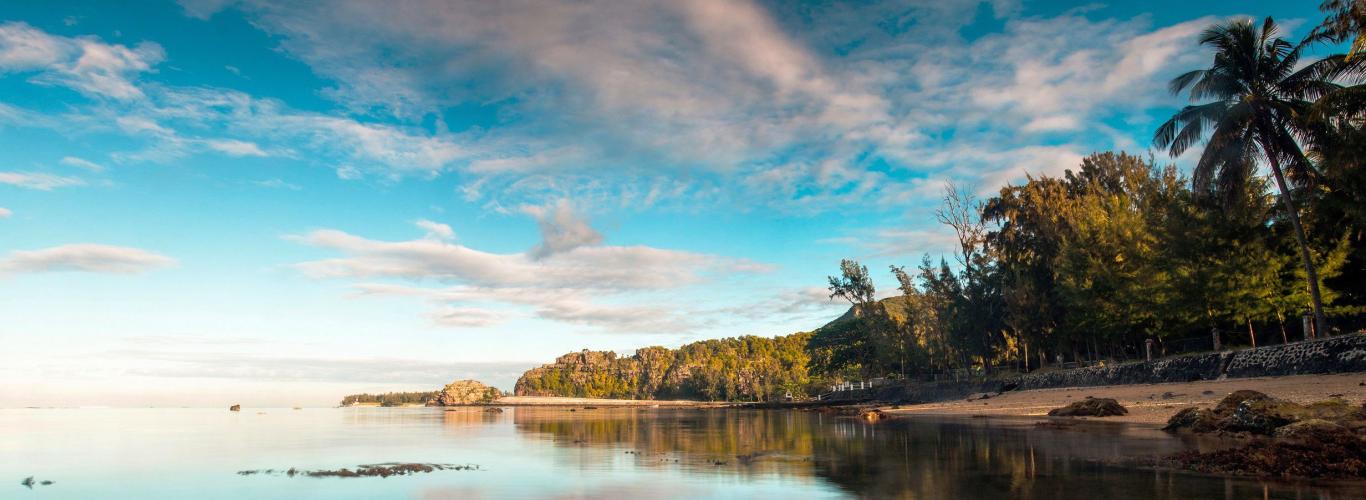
[235, 408]
[493, 409]
[28, 482]
[1316, 450]
[1325, 439]
[1090, 407]
[371, 470]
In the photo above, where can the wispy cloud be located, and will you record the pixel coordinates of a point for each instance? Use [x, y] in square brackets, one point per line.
[689, 102]
[566, 277]
[38, 180]
[82, 163]
[84, 257]
[84, 64]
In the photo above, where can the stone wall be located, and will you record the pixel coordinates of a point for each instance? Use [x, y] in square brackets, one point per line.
[1341, 354]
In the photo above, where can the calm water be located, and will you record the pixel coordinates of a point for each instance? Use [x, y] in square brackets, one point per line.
[554, 453]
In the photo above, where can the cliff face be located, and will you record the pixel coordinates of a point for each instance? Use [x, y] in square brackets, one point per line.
[745, 368]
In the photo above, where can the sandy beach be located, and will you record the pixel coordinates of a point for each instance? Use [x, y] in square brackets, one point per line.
[1150, 403]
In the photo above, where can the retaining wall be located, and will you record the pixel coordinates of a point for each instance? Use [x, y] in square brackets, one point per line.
[1341, 354]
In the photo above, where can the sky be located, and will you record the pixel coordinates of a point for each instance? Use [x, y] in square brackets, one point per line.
[214, 202]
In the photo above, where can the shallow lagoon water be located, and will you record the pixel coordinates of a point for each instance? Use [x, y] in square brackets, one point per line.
[601, 453]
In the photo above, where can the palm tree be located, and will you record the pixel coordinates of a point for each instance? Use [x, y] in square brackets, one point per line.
[1256, 96]
[1346, 21]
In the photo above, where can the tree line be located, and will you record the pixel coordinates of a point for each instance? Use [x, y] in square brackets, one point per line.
[747, 368]
[390, 398]
[1269, 226]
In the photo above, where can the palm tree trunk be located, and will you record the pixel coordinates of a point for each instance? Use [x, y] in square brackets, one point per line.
[1310, 271]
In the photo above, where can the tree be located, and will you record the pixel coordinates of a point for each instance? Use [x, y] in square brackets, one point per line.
[1346, 20]
[870, 340]
[1257, 94]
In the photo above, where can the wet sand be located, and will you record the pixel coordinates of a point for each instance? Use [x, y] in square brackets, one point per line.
[1150, 403]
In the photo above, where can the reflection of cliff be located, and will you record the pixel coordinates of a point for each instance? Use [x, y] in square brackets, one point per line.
[916, 458]
[699, 436]
[468, 417]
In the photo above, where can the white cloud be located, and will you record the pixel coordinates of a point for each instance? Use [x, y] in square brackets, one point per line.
[465, 317]
[580, 282]
[234, 147]
[436, 230]
[278, 184]
[736, 103]
[82, 163]
[561, 229]
[84, 64]
[5, 213]
[85, 257]
[38, 180]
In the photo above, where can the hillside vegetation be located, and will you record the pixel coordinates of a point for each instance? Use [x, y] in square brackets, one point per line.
[731, 369]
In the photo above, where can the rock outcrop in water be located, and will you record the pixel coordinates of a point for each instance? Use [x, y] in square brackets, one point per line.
[1325, 439]
[465, 392]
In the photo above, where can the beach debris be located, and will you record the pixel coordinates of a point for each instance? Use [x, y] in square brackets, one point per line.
[370, 470]
[1090, 407]
[235, 408]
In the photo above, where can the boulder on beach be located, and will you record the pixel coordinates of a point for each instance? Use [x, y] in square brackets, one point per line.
[1090, 407]
[1253, 412]
[235, 408]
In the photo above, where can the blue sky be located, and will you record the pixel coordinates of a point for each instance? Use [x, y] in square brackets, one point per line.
[277, 203]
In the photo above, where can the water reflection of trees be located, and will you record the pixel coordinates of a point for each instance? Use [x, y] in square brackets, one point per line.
[918, 458]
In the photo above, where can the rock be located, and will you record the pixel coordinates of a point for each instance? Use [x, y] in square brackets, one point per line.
[235, 408]
[874, 416]
[1090, 407]
[465, 392]
[493, 409]
[1314, 427]
[1261, 416]
[1257, 413]
[1192, 419]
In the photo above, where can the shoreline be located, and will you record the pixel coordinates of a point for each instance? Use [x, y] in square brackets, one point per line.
[1147, 403]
